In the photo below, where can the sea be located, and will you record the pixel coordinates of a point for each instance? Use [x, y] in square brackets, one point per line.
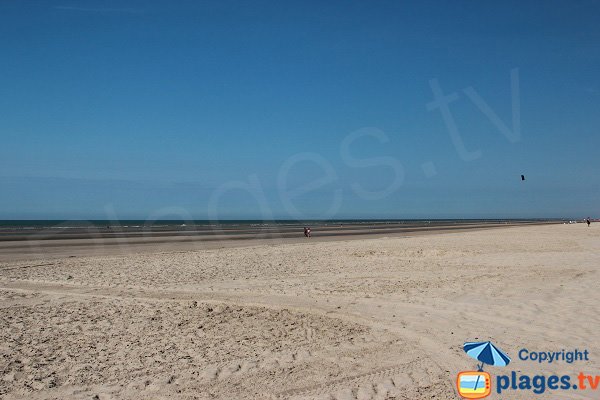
[12, 225]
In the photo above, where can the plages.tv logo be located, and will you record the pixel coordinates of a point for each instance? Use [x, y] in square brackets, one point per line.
[478, 384]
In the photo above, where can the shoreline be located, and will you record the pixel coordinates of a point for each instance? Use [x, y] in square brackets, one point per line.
[51, 245]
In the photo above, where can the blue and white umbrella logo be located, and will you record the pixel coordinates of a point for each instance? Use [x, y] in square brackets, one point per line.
[486, 353]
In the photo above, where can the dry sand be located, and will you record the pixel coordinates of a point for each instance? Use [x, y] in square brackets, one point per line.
[378, 318]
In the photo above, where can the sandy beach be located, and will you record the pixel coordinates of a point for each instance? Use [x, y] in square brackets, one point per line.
[373, 318]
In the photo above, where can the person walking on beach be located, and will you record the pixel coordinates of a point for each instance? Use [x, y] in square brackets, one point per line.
[307, 232]
[588, 221]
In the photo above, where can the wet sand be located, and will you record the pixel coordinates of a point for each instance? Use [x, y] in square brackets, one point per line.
[53, 243]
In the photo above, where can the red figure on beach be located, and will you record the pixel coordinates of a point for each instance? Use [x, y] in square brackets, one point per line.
[307, 232]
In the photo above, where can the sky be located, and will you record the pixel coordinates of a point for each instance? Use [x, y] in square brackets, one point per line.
[299, 109]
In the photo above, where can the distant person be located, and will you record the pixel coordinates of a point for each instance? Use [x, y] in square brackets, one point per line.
[307, 232]
[588, 221]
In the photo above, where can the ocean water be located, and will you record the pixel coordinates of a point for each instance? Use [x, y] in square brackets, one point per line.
[36, 225]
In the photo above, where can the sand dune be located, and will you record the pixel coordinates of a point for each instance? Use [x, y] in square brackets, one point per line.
[381, 318]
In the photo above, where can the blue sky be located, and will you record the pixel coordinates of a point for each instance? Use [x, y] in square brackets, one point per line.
[157, 109]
